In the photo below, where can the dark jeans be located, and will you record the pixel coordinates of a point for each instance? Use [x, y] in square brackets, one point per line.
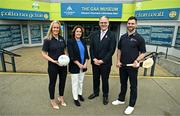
[131, 73]
[53, 71]
[103, 72]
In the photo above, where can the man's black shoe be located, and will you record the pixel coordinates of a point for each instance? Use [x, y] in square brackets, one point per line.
[77, 103]
[105, 100]
[81, 98]
[92, 96]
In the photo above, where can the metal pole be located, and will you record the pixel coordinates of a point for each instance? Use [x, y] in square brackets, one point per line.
[3, 62]
[166, 53]
[145, 71]
[156, 48]
[13, 63]
[153, 67]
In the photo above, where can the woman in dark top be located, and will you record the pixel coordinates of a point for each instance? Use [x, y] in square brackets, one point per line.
[54, 46]
[78, 54]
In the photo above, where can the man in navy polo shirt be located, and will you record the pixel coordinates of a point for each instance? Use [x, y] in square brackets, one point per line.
[131, 49]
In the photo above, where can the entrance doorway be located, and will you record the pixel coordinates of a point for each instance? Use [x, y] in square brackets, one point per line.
[90, 27]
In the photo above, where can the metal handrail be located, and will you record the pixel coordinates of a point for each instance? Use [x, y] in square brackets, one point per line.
[3, 62]
[153, 55]
[9, 53]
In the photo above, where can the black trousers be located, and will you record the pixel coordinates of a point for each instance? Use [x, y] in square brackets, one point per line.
[131, 73]
[102, 71]
[53, 71]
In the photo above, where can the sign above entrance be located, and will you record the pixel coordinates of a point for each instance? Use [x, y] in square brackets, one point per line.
[23, 14]
[159, 14]
[91, 10]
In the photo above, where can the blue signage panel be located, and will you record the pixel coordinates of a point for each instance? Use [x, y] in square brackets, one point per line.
[162, 35]
[25, 34]
[157, 35]
[177, 43]
[35, 33]
[23, 14]
[10, 35]
[159, 14]
[145, 32]
[45, 29]
[91, 10]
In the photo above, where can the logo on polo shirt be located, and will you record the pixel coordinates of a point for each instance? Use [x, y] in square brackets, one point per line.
[132, 39]
[60, 40]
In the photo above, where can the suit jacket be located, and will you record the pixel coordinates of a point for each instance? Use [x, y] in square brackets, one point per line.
[74, 54]
[102, 49]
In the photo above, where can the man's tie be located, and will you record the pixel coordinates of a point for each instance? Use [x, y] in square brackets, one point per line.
[102, 34]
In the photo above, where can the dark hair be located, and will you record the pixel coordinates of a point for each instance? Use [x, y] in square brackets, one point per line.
[74, 29]
[132, 18]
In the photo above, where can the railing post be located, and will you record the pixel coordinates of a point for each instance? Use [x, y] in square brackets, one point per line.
[145, 71]
[153, 67]
[166, 53]
[13, 63]
[3, 62]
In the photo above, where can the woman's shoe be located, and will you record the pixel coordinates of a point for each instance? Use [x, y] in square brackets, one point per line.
[77, 103]
[61, 102]
[81, 98]
[54, 105]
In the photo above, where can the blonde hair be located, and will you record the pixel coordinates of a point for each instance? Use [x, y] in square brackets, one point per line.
[49, 33]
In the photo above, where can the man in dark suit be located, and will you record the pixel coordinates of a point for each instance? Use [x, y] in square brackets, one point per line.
[102, 47]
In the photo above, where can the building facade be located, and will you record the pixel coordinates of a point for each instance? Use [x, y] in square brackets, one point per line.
[24, 23]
